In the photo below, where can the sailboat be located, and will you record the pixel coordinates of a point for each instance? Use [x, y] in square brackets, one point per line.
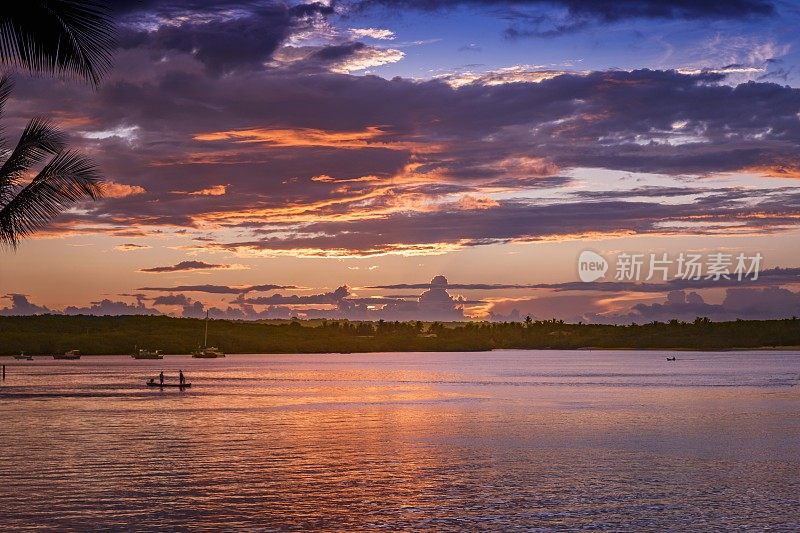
[207, 352]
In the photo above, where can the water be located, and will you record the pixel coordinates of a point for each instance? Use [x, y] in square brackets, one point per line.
[546, 440]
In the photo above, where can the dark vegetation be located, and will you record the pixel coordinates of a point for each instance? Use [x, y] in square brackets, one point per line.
[47, 334]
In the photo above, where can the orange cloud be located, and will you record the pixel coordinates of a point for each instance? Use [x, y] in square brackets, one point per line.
[470, 202]
[406, 250]
[777, 171]
[216, 190]
[304, 137]
[324, 178]
[112, 189]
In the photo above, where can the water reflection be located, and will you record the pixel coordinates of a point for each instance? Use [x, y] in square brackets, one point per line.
[556, 440]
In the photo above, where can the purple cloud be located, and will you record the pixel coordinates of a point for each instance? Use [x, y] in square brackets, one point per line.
[184, 266]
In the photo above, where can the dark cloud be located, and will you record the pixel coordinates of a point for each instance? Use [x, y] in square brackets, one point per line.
[108, 307]
[608, 9]
[572, 302]
[517, 220]
[169, 126]
[171, 299]
[333, 297]
[768, 277]
[187, 265]
[223, 37]
[20, 306]
[218, 289]
[549, 18]
[745, 303]
[739, 303]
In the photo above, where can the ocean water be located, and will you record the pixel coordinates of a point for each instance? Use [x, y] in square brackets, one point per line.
[504, 440]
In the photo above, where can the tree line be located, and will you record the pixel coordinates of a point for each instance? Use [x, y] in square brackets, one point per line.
[112, 335]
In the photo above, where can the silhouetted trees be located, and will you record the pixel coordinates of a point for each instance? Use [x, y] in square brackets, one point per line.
[46, 334]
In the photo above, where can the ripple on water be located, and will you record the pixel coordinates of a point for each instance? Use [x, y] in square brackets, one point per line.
[520, 440]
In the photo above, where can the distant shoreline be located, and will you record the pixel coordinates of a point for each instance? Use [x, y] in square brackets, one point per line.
[757, 349]
[122, 335]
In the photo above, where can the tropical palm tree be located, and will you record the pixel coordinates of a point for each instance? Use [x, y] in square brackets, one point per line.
[62, 37]
[73, 37]
[63, 178]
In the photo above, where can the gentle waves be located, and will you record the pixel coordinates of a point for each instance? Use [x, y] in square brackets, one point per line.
[499, 440]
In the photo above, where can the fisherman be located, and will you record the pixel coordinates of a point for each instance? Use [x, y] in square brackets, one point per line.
[161, 377]
[181, 378]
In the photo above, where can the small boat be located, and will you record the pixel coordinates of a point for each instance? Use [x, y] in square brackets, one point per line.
[71, 355]
[23, 357]
[143, 353]
[207, 352]
[673, 358]
[154, 383]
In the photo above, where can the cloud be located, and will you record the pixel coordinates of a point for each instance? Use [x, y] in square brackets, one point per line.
[442, 230]
[218, 289]
[184, 266]
[131, 247]
[20, 305]
[366, 57]
[547, 18]
[216, 190]
[109, 307]
[121, 190]
[172, 299]
[333, 297]
[225, 40]
[301, 138]
[739, 303]
[501, 76]
[767, 277]
[344, 58]
[436, 153]
[372, 33]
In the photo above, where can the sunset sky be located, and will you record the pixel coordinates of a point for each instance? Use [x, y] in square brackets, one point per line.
[275, 159]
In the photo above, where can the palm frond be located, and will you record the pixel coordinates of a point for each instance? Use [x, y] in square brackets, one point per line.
[68, 178]
[39, 140]
[57, 36]
[5, 90]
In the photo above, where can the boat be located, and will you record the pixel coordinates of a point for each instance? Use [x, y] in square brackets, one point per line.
[207, 352]
[154, 383]
[142, 353]
[71, 355]
[673, 358]
[23, 357]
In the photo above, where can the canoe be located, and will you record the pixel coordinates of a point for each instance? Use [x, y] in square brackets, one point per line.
[157, 384]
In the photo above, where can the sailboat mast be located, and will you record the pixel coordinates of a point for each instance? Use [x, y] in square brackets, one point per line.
[205, 340]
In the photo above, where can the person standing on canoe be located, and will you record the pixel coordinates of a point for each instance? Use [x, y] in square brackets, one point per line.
[161, 377]
[181, 378]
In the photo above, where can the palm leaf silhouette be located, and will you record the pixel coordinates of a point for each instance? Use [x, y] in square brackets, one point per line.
[66, 178]
[57, 36]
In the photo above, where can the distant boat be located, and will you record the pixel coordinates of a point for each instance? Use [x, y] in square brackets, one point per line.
[673, 358]
[23, 357]
[207, 352]
[71, 355]
[143, 353]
